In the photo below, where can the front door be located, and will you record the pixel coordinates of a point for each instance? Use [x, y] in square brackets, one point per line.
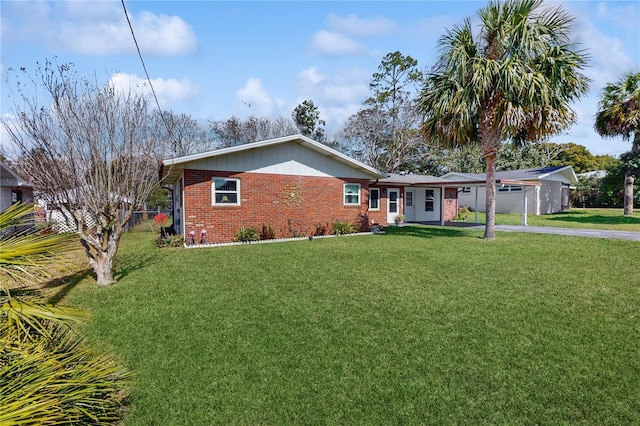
[393, 204]
[409, 205]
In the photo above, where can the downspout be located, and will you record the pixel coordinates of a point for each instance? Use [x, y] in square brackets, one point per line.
[442, 205]
[184, 214]
[475, 209]
[524, 205]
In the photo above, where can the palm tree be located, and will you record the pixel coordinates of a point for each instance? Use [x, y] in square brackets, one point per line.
[48, 375]
[514, 81]
[619, 115]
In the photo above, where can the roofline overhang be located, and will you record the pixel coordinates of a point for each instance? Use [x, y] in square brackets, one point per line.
[462, 183]
[174, 164]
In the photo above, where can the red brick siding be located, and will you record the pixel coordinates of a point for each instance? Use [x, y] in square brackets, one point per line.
[450, 203]
[262, 202]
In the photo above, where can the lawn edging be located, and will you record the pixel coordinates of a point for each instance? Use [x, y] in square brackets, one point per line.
[273, 240]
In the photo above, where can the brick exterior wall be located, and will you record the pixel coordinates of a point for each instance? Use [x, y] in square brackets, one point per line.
[450, 203]
[291, 205]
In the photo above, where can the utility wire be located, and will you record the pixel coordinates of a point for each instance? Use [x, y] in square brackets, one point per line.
[153, 92]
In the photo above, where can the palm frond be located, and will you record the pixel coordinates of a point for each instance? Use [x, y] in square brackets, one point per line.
[618, 112]
[27, 255]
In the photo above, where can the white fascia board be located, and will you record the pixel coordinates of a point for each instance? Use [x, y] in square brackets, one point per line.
[566, 171]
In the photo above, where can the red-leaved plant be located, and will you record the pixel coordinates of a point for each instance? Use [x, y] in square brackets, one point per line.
[160, 219]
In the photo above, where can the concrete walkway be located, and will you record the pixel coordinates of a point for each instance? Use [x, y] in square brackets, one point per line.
[595, 233]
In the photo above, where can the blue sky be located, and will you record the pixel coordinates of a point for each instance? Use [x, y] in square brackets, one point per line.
[215, 59]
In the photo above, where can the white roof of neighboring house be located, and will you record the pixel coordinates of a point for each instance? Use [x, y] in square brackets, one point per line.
[10, 178]
[177, 164]
[598, 174]
[541, 173]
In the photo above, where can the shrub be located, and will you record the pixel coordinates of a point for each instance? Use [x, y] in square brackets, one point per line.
[293, 227]
[267, 232]
[321, 229]
[339, 227]
[463, 213]
[170, 241]
[246, 234]
[161, 219]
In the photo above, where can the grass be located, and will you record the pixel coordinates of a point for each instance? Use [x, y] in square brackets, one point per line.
[609, 219]
[422, 325]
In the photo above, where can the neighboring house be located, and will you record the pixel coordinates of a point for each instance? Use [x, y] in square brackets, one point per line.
[543, 190]
[13, 189]
[62, 220]
[294, 185]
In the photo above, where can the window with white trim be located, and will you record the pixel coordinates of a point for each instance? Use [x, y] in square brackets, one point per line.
[374, 199]
[351, 194]
[509, 188]
[429, 200]
[226, 191]
[408, 198]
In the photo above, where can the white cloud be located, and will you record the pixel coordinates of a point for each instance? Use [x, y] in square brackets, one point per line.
[335, 44]
[621, 16]
[311, 76]
[253, 94]
[337, 95]
[608, 59]
[97, 28]
[361, 27]
[169, 91]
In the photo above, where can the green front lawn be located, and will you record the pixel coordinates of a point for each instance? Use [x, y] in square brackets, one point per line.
[422, 325]
[611, 219]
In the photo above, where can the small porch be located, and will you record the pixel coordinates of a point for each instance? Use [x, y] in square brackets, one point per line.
[432, 200]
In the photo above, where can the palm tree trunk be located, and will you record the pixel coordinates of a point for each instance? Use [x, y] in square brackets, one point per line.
[628, 195]
[489, 134]
[490, 223]
[629, 178]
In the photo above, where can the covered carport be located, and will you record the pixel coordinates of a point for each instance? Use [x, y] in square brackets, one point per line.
[460, 184]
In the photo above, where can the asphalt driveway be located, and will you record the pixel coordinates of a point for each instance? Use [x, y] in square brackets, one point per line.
[596, 233]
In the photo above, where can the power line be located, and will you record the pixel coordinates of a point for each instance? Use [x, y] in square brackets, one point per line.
[153, 92]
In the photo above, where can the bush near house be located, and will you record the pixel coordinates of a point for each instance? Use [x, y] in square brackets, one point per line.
[339, 227]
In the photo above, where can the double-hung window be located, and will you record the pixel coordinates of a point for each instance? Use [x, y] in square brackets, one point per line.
[351, 194]
[374, 199]
[429, 200]
[226, 191]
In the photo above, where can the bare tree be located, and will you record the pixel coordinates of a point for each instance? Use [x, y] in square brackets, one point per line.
[182, 134]
[235, 131]
[366, 134]
[90, 150]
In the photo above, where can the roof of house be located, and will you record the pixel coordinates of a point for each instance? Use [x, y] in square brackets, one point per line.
[411, 179]
[10, 178]
[176, 164]
[525, 174]
[598, 174]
